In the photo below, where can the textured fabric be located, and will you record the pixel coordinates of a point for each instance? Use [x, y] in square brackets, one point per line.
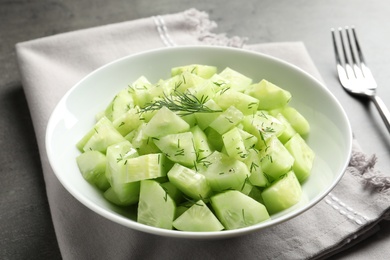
[50, 66]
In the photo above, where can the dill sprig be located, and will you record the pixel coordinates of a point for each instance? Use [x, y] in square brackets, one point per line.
[183, 103]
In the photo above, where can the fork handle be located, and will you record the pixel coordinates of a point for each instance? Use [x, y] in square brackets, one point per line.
[383, 110]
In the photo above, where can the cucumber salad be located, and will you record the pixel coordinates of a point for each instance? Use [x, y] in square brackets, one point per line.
[200, 151]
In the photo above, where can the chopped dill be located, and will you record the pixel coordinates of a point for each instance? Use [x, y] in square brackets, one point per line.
[183, 103]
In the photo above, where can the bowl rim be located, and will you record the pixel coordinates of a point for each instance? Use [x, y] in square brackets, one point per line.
[115, 217]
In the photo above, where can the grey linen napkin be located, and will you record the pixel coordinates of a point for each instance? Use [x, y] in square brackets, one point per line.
[50, 66]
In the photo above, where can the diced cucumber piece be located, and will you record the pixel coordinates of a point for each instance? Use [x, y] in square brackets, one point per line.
[303, 155]
[237, 80]
[188, 81]
[282, 194]
[172, 191]
[269, 95]
[165, 122]
[275, 158]
[191, 183]
[203, 91]
[262, 126]
[198, 218]
[246, 104]
[155, 208]
[132, 194]
[148, 166]
[288, 132]
[190, 119]
[142, 142]
[141, 91]
[220, 84]
[253, 163]
[102, 135]
[168, 86]
[255, 194]
[234, 144]
[128, 121]
[249, 140]
[125, 193]
[202, 147]
[120, 104]
[224, 172]
[237, 210]
[92, 165]
[297, 120]
[227, 120]
[178, 148]
[215, 139]
[203, 71]
[204, 119]
[183, 207]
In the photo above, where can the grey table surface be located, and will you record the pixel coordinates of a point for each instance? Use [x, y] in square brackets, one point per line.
[25, 223]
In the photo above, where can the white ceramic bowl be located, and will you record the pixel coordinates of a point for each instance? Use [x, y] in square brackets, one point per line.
[330, 137]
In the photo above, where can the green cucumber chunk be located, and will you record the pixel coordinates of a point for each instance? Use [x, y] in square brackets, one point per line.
[188, 181]
[204, 119]
[262, 125]
[203, 71]
[246, 104]
[165, 122]
[269, 95]
[128, 121]
[237, 210]
[275, 158]
[155, 208]
[92, 165]
[253, 162]
[288, 132]
[234, 144]
[143, 142]
[303, 155]
[172, 191]
[283, 193]
[202, 146]
[148, 166]
[224, 173]
[237, 80]
[297, 120]
[198, 218]
[101, 136]
[120, 104]
[178, 148]
[122, 193]
[227, 120]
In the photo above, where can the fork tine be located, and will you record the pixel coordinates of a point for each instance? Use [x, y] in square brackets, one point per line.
[339, 63]
[348, 62]
[355, 60]
[365, 70]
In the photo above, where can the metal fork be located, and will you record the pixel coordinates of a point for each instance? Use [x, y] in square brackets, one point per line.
[354, 75]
